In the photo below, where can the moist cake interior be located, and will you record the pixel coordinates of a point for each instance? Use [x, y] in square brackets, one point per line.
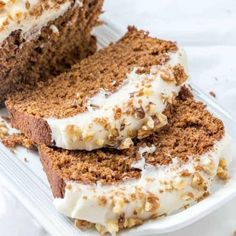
[24, 61]
[191, 131]
[66, 95]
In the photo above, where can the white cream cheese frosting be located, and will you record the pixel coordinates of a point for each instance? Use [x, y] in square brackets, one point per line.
[161, 190]
[108, 120]
[29, 16]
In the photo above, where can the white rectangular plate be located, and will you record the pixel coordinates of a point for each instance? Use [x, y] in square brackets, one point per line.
[29, 184]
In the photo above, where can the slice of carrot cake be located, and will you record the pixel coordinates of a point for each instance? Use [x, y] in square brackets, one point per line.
[107, 99]
[167, 171]
[39, 39]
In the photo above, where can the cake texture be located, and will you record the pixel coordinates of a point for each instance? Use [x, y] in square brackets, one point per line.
[40, 39]
[107, 99]
[169, 170]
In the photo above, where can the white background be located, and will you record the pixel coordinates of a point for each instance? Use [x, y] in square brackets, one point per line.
[207, 31]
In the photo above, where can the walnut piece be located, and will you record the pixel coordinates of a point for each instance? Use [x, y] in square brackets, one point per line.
[222, 171]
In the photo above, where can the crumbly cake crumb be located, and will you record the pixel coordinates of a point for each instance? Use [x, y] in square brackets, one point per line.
[213, 94]
[11, 141]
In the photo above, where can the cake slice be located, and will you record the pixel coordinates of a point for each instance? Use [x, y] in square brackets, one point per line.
[107, 99]
[169, 170]
[39, 39]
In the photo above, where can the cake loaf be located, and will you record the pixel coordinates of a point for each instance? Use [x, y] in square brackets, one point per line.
[169, 170]
[39, 39]
[107, 99]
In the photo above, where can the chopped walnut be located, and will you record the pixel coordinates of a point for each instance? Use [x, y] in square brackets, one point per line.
[188, 196]
[210, 167]
[144, 132]
[2, 5]
[151, 108]
[83, 224]
[132, 133]
[152, 203]
[167, 75]
[114, 133]
[160, 120]
[176, 74]
[204, 195]
[139, 113]
[119, 205]
[198, 182]
[179, 74]
[168, 99]
[117, 113]
[103, 122]
[168, 185]
[74, 132]
[185, 173]
[153, 123]
[126, 143]
[27, 5]
[3, 130]
[88, 137]
[222, 171]
[101, 229]
[147, 92]
[100, 142]
[68, 186]
[179, 183]
[150, 123]
[102, 201]
[131, 222]
[112, 226]
[199, 168]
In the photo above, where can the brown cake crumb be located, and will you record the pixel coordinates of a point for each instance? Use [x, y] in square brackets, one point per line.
[191, 131]
[11, 141]
[26, 60]
[67, 94]
[212, 94]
